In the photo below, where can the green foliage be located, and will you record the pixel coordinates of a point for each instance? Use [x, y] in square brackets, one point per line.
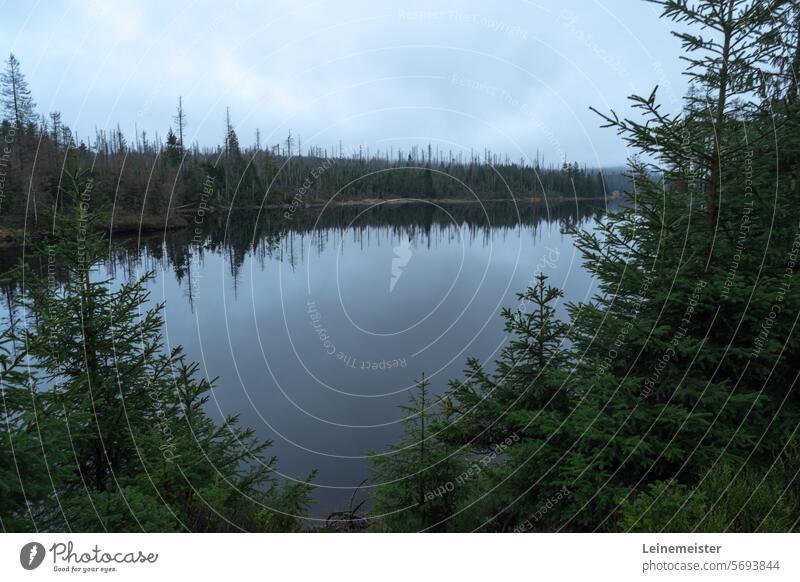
[172, 148]
[416, 479]
[683, 359]
[727, 499]
[530, 403]
[112, 427]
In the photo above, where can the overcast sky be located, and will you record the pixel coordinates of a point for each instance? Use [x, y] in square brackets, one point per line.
[513, 76]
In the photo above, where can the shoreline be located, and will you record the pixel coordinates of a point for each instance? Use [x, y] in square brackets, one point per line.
[13, 232]
[193, 209]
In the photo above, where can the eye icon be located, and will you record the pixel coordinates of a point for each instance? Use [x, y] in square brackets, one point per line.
[31, 555]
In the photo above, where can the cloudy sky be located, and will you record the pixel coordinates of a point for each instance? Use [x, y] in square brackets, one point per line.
[514, 76]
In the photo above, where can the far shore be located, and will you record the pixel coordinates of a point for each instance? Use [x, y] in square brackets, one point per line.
[298, 205]
[12, 231]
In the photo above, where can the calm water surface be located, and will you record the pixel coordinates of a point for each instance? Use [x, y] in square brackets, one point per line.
[318, 324]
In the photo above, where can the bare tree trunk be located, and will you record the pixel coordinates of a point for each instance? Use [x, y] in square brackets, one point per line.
[715, 180]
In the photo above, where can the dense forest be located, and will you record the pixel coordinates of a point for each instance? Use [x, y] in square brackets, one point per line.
[150, 180]
[666, 402]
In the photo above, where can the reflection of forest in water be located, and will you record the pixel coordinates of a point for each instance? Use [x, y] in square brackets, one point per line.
[276, 235]
[236, 298]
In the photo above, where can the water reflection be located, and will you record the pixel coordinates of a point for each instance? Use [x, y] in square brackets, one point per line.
[318, 323]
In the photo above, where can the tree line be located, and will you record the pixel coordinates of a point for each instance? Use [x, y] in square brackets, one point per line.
[156, 177]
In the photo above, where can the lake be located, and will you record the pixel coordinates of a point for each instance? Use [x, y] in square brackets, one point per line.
[318, 322]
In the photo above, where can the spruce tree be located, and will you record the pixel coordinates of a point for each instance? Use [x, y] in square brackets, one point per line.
[679, 369]
[415, 482]
[121, 421]
[18, 104]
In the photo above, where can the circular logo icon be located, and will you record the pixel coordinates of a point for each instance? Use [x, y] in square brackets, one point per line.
[31, 555]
